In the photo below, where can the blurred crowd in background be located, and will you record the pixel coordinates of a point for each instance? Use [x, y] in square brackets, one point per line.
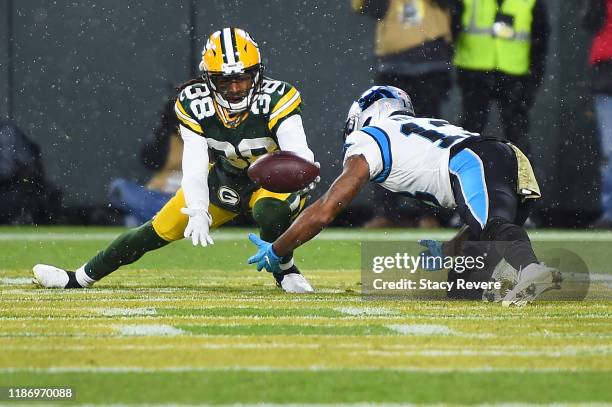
[497, 50]
[494, 51]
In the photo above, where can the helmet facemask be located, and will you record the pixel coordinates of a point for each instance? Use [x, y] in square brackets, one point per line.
[231, 65]
[238, 91]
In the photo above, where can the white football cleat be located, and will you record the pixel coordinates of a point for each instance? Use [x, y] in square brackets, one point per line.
[295, 283]
[49, 276]
[533, 280]
[505, 274]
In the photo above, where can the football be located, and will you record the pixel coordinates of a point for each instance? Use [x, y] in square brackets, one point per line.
[283, 171]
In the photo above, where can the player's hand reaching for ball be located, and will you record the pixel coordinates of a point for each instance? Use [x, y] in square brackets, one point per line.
[265, 256]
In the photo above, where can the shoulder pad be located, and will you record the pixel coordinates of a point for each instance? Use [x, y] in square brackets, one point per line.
[199, 94]
[285, 100]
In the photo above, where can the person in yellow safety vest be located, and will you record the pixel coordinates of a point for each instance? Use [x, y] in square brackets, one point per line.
[597, 20]
[500, 55]
[413, 47]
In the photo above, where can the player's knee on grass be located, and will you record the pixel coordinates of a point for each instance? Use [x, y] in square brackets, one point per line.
[516, 248]
[273, 217]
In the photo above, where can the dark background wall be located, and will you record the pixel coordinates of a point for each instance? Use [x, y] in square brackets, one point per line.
[5, 8]
[90, 78]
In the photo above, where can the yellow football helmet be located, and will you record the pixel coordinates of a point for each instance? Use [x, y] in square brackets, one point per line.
[231, 64]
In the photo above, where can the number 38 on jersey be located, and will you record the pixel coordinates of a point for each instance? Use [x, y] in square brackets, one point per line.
[239, 141]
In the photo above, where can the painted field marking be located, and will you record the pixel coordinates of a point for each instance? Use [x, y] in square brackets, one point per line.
[367, 348]
[367, 311]
[113, 312]
[16, 281]
[181, 369]
[359, 404]
[486, 352]
[421, 329]
[148, 330]
[589, 335]
[377, 404]
[172, 304]
[329, 291]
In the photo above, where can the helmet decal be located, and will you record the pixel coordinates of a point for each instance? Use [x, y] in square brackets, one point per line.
[373, 95]
[374, 104]
[232, 53]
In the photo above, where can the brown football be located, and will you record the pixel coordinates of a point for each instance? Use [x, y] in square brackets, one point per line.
[283, 171]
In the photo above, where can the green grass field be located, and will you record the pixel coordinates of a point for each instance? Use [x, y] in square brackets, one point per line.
[198, 326]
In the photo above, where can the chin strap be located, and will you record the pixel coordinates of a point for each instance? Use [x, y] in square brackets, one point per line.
[228, 119]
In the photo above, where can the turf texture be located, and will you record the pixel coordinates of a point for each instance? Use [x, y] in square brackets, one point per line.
[198, 326]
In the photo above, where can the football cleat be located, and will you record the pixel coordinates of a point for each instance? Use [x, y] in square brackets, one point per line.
[533, 280]
[291, 281]
[53, 277]
[505, 274]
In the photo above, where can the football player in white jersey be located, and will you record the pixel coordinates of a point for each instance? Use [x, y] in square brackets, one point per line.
[441, 164]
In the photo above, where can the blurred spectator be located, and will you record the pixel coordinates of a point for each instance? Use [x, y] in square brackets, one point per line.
[414, 52]
[598, 20]
[500, 55]
[163, 154]
[26, 197]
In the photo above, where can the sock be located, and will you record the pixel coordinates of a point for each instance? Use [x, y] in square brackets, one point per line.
[287, 265]
[72, 280]
[82, 278]
[273, 217]
[517, 248]
[125, 249]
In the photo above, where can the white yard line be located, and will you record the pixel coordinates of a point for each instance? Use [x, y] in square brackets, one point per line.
[112, 312]
[491, 353]
[247, 318]
[367, 311]
[148, 330]
[136, 289]
[376, 404]
[488, 336]
[16, 281]
[182, 369]
[421, 329]
[289, 318]
[363, 348]
[330, 234]
[359, 404]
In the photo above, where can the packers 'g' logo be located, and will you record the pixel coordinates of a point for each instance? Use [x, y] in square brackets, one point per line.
[228, 196]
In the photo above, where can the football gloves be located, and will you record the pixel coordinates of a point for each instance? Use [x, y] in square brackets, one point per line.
[310, 187]
[198, 227]
[265, 256]
[432, 257]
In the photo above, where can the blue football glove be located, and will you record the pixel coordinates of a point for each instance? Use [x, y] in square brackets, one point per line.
[432, 257]
[265, 257]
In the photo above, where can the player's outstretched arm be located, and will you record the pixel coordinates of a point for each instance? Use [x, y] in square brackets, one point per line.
[322, 212]
[314, 219]
[195, 187]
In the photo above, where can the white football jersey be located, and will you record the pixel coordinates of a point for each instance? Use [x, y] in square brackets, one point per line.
[409, 155]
